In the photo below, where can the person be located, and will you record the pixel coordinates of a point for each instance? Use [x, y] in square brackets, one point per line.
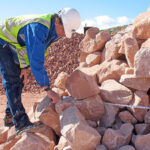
[23, 42]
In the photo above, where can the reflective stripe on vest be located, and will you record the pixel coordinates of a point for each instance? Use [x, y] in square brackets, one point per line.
[9, 32]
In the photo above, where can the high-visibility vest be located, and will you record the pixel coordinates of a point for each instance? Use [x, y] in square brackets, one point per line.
[9, 33]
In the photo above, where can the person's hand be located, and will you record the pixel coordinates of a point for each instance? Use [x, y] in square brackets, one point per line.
[54, 96]
[23, 75]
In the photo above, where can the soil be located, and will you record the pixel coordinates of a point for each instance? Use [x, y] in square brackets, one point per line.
[28, 99]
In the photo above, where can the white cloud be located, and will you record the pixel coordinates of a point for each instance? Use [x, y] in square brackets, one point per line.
[123, 20]
[104, 22]
[101, 20]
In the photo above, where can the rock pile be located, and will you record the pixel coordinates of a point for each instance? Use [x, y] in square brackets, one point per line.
[63, 56]
[113, 70]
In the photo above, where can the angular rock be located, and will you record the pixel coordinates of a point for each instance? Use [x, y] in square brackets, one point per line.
[76, 130]
[101, 147]
[91, 108]
[147, 117]
[60, 92]
[97, 42]
[111, 70]
[146, 43]
[47, 133]
[112, 48]
[9, 144]
[47, 114]
[114, 139]
[101, 130]
[133, 82]
[82, 65]
[32, 141]
[93, 59]
[91, 71]
[142, 142]
[131, 47]
[142, 128]
[144, 15]
[126, 33]
[83, 56]
[114, 92]
[3, 134]
[141, 28]
[109, 117]
[11, 133]
[141, 63]
[62, 143]
[91, 123]
[32, 111]
[67, 148]
[129, 71]
[117, 124]
[81, 86]
[88, 40]
[140, 99]
[127, 147]
[91, 33]
[127, 117]
[60, 81]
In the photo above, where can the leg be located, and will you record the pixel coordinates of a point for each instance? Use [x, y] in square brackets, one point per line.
[13, 87]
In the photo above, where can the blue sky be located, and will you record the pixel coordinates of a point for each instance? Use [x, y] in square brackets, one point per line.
[99, 13]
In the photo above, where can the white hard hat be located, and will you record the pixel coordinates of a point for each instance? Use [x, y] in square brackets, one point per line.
[71, 20]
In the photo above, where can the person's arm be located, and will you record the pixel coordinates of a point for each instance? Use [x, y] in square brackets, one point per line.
[35, 36]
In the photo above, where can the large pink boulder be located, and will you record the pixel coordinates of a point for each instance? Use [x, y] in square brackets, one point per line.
[111, 70]
[141, 26]
[91, 71]
[109, 117]
[127, 117]
[146, 43]
[95, 43]
[77, 131]
[47, 114]
[81, 86]
[3, 134]
[61, 144]
[32, 142]
[142, 142]
[147, 117]
[141, 62]
[93, 59]
[140, 99]
[127, 147]
[60, 81]
[114, 92]
[114, 139]
[142, 128]
[91, 108]
[133, 82]
[131, 47]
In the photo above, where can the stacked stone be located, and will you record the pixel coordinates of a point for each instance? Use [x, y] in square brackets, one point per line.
[113, 70]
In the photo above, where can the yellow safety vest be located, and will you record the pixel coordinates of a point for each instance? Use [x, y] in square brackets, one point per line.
[9, 32]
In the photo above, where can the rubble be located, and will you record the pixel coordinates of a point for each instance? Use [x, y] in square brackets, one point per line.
[92, 113]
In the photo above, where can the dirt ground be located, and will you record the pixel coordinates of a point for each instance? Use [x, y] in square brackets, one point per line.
[28, 100]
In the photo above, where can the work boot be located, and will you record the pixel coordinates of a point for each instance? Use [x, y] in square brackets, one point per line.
[8, 120]
[31, 127]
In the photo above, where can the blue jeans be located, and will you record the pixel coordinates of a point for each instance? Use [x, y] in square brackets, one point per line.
[13, 85]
